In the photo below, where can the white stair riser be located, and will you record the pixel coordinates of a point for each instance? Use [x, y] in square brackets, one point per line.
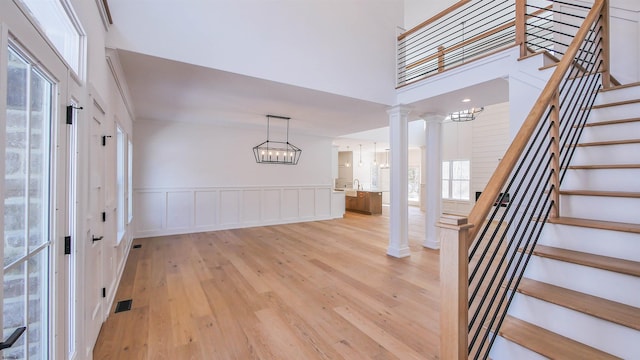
[602, 180]
[606, 155]
[504, 349]
[626, 210]
[612, 338]
[618, 112]
[607, 97]
[624, 131]
[616, 244]
[601, 283]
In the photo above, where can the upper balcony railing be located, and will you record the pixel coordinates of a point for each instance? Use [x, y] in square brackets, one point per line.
[471, 29]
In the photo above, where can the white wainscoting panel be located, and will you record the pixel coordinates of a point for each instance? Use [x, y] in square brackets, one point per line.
[150, 210]
[271, 204]
[251, 206]
[170, 211]
[323, 202]
[205, 208]
[290, 205]
[179, 209]
[307, 203]
[230, 207]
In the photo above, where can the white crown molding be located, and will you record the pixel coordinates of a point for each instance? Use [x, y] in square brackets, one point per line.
[118, 75]
[104, 14]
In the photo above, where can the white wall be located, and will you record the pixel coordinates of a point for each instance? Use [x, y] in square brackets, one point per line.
[180, 154]
[490, 141]
[341, 47]
[417, 11]
[625, 40]
[483, 142]
[198, 177]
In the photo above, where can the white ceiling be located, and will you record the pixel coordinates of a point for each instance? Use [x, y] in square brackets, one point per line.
[163, 89]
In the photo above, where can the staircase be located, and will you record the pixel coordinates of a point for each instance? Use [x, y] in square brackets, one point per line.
[580, 295]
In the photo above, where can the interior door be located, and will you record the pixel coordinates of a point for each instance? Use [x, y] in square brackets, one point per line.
[94, 276]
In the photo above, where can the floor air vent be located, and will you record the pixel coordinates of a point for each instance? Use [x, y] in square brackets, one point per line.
[138, 246]
[124, 305]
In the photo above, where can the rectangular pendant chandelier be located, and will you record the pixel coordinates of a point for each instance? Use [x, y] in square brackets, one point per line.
[277, 152]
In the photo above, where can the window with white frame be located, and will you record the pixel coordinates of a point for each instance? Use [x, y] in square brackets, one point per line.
[130, 182]
[456, 179]
[120, 181]
[59, 23]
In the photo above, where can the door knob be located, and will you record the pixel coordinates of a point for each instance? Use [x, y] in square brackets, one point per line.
[94, 239]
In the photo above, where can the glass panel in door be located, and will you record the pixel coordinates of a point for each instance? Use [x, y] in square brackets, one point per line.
[27, 204]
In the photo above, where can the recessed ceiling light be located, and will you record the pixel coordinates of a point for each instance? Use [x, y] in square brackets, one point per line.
[465, 100]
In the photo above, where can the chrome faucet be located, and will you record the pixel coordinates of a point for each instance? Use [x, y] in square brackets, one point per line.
[354, 183]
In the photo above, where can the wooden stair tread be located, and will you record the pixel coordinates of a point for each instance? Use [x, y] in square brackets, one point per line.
[604, 167]
[531, 53]
[605, 309]
[596, 224]
[606, 143]
[625, 194]
[616, 103]
[612, 122]
[618, 87]
[622, 266]
[547, 343]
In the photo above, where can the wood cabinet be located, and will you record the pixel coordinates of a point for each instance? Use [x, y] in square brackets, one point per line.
[366, 202]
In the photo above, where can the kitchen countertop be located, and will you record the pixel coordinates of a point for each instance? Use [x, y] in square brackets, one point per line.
[354, 192]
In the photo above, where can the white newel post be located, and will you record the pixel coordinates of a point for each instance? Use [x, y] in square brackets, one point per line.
[433, 197]
[399, 209]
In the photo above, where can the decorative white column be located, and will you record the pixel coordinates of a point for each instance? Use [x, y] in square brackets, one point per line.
[433, 198]
[399, 209]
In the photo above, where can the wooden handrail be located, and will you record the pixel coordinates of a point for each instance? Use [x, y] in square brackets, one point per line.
[474, 39]
[438, 16]
[464, 43]
[512, 155]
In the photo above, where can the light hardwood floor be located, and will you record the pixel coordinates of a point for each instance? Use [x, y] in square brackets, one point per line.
[318, 290]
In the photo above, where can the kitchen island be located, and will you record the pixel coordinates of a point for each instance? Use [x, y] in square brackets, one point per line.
[364, 202]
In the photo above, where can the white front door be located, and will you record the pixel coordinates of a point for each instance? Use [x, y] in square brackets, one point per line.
[32, 182]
